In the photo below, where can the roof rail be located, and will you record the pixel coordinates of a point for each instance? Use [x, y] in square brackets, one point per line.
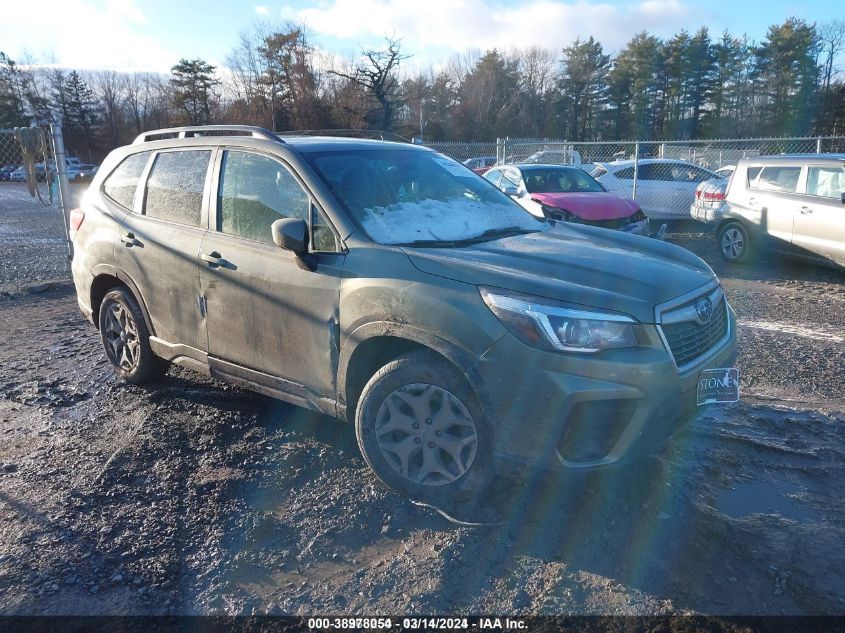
[208, 130]
[349, 133]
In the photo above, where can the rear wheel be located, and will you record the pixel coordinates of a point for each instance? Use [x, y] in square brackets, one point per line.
[421, 429]
[126, 339]
[734, 243]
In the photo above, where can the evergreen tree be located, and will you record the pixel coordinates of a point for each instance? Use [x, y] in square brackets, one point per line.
[12, 94]
[787, 71]
[192, 81]
[582, 89]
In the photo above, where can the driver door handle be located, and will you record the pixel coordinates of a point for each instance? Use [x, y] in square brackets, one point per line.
[805, 210]
[214, 260]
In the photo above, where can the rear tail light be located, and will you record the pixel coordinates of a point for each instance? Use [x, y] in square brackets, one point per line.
[714, 196]
[77, 216]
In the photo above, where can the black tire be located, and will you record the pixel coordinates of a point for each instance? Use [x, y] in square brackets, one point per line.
[128, 350]
[735, 243]
[428, 378]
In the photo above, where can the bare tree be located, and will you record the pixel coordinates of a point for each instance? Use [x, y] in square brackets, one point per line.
[377, 73]
[832, 40]
[110, 90]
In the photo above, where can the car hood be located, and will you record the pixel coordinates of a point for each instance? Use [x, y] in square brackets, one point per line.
[585, 265]
[599, 205]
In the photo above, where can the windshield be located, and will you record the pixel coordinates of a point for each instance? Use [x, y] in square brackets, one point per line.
[407, 197]
[554, 180]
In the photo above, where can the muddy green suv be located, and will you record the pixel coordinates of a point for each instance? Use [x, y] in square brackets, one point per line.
[390, 286]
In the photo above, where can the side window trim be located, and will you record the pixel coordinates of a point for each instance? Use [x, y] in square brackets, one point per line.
[141, 201]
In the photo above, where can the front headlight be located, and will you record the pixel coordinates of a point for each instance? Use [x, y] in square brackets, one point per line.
[559, 328]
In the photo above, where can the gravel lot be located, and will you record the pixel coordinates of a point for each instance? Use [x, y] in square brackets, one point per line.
[191, 496]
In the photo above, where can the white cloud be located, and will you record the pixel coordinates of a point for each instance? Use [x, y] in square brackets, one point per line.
[91, 34]
[460, 25]
[262, 9]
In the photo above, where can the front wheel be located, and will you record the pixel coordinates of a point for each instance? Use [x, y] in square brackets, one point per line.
[126, 339]
[421, 429]
[734, 243]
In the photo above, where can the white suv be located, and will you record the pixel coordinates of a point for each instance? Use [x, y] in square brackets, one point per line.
[792, 204]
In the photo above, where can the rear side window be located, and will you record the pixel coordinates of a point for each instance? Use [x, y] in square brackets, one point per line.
[826, 182]
[175, 186]
[255, 191]
[777, 178]
[122, 183]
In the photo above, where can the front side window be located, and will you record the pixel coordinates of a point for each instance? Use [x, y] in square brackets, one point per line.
[625, 174]
[322, 236]
[826, 182]
[404, 196]
[175, 186]
[254, 192]
[777, 178]
[122, 183]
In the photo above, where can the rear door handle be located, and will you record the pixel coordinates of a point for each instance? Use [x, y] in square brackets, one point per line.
[805, 210]
[129, 239]
[214, 260]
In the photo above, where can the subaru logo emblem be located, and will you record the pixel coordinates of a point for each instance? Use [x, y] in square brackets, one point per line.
[704, 310]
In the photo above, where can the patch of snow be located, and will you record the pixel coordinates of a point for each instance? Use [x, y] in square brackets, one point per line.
[453, 219]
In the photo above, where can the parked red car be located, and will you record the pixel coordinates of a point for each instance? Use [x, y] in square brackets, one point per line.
[569, 194]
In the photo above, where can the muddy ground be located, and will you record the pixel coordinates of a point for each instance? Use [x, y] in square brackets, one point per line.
[190, 496]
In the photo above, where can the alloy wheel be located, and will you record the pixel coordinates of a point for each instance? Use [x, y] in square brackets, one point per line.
[121, 336]
[733, 243]
[426, 434]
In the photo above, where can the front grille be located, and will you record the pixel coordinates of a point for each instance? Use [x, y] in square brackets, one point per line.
[688, 339]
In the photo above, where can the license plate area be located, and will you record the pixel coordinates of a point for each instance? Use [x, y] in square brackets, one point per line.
[718, 386]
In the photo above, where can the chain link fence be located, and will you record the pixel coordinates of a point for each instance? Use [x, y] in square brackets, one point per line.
[14, 179]
[669, 179]
[33, 227]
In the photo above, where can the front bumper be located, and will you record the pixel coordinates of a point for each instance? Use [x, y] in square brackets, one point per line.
[577, 413]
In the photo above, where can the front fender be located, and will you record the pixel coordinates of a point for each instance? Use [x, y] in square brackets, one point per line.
[463, 359]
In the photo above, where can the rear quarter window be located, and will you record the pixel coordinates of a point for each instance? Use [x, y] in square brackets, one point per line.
[122, 183]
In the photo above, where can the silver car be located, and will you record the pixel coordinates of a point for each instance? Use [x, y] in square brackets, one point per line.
[792, 204]
[709, 203]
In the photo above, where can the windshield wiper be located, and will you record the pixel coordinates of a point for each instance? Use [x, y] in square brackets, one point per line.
[496, 234]
[488, 235]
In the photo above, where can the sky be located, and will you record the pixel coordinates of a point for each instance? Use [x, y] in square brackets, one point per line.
[152, 35]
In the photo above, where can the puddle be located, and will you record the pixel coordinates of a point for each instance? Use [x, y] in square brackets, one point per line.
[757, 497]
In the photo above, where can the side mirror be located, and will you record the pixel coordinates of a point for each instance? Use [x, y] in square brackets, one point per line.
[842, 197]
[292, 234]
[511, 190]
